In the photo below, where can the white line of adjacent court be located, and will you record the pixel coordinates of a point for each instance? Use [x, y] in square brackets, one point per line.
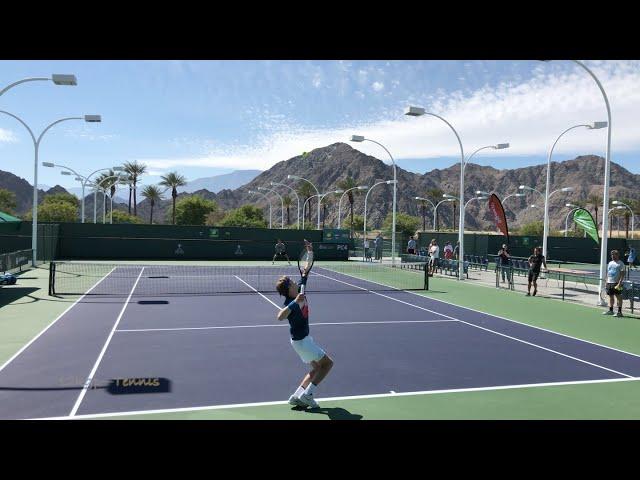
[486, 329]
[352, 397]
[53, 323]
[231, 327]
[89, 380]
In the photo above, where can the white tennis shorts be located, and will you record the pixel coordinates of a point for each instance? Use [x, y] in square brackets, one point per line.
[308, 350]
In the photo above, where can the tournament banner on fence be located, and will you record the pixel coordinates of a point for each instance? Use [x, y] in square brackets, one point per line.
[584, 220]
[495, 205]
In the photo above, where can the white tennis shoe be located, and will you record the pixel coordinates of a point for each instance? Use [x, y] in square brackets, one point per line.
[308, 400]
[296, 402]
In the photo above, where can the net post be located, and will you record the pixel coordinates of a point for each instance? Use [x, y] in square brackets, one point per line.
[426, 276]
[52, 274]
[563, 278]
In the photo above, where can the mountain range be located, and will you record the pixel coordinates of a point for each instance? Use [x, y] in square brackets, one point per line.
[325, 167]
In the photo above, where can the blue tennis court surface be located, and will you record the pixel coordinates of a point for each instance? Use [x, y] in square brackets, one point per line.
[228, 349]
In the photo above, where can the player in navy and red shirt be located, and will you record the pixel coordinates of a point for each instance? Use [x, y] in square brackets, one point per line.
[296, 311]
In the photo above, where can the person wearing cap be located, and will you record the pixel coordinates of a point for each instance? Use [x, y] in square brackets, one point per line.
[503, 260]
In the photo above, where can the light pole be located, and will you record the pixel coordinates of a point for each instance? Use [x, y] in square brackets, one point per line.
[435, 210]
[566, 220]
[85, 180]
[360, 138]
[317, 191]
[513, 195]
[422, 199]
[269, 201]
[36, 146]
[619, 207]
[361, 187]
[607, 175]
[304, 205]
[281, 204]
[419, 111]
[95, 195]
[57, 78]
[545, 234]
[364, 237]
[297, 198]
[336, 192]
[481, 197]
[617, 202]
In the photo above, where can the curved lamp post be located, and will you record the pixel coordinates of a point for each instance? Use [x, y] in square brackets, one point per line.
[84, 180]
[57, 78]
[435, 210]
[545, 234]
[364, 237]
[98, 186]
[281, 204]
[360, 138]
[422, 199]
[336, 192]
[607, 175]
[566, 220]
[295, 177]
[361, 187]
[36, 146]
[304, 207]
[273, 184]
[419, 111]
[617, 202]
[268, 201]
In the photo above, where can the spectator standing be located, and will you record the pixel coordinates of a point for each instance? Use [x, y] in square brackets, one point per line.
[367, 254]
[504, 259]
[456, 251]
[411, 246]
[615, 275]
[631, 259]
[378, 244]
[434, 253]
[535, 263]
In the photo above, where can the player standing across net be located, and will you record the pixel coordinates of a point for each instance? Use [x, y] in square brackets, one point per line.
[281, 251]
[535, 264]
[296, 311]
[615, 276]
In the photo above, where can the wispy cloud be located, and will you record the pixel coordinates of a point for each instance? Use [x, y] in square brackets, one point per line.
[7, 136]
[377, 86]
[529, 114]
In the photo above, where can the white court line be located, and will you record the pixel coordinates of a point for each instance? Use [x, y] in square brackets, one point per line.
[351, 397]
[267, 299]
[490, 314]
[52, 323]
[89, 380]
[484, 328]
[439, 320]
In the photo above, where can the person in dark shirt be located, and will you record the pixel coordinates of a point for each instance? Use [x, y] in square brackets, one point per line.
[296, 311]
[281, 251]
[503, 261]
[535, 263]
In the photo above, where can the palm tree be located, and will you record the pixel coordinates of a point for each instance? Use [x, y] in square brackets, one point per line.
[595, 200]
[287, 203]
[305, 191]
[173, 180]
[153, 194]
[345, 185]
[135, 170]
[423, 207]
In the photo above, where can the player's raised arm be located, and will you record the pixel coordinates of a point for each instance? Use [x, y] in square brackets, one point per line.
[297, 304]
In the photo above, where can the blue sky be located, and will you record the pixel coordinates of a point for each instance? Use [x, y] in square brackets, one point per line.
[204, 118]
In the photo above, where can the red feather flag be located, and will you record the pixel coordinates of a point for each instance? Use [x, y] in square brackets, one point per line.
[495, 205]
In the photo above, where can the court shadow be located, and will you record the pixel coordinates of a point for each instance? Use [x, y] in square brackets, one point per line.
[333, 413]
[10, 295]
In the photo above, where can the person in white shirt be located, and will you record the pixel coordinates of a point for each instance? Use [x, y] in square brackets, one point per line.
[448, 251]
[434, 253]
[615, 275]
[367, 255]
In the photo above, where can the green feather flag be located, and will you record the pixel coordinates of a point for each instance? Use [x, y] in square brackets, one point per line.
[584, 220]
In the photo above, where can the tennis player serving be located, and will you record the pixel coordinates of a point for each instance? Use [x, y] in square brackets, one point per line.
[296, 311]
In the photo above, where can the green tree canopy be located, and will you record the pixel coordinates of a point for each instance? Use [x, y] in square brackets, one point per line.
[123, 217]
[193, 209]
[62, 197]
[7, 201]
[405, 224]
[245, 216]
[51, 211]
[534, 228]
[357, 226]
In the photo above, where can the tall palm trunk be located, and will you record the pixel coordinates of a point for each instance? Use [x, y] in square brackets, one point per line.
[130, 191]
[288, 216]
[151, 214]
[351, 207]
[174, 194]
[135, 202]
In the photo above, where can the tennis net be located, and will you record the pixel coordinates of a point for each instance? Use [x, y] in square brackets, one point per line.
[97, 278]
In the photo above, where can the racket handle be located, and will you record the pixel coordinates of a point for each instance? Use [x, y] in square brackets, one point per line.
[302, 288]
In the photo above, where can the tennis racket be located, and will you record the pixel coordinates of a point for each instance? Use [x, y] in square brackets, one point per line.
[305, 261]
